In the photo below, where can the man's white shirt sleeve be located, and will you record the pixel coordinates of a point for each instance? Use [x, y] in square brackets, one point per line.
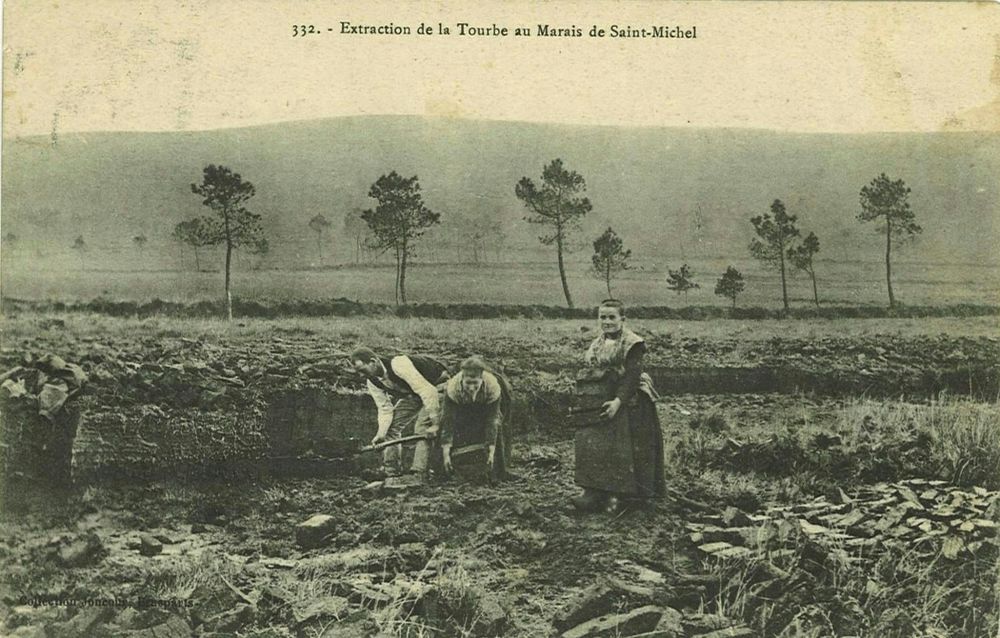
[384, 405]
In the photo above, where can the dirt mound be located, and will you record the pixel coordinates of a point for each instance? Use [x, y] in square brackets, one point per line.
[39, 417]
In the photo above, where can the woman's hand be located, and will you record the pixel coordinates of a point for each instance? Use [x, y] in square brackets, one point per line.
[611, 408]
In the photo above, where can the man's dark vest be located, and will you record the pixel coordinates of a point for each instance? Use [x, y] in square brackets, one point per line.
[429, 368]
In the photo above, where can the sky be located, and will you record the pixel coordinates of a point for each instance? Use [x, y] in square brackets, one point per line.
[154, 65]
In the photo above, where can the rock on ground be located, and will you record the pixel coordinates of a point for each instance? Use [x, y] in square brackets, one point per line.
[313, 532]
[637, 621]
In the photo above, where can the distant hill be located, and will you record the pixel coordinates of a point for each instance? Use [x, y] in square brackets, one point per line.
[667, 191]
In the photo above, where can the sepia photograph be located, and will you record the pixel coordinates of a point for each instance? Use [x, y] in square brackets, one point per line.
[572, 319]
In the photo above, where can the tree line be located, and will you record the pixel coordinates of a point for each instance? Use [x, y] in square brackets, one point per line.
[556, 204]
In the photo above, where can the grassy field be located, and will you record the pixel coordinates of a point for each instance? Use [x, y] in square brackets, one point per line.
[854, 283]
[537, 334]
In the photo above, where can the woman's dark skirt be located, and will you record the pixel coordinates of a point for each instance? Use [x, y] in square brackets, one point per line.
[623, 456]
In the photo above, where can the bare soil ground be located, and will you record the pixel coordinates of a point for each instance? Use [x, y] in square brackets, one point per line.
[821, 510]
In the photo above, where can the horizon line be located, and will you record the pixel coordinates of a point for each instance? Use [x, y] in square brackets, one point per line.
[461, 119]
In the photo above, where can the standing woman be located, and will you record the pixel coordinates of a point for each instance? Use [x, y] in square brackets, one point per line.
[620, 456]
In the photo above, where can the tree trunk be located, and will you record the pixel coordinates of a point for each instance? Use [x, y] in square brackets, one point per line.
[197, 260]
[607, 281]
[402, 278]
[229, 294]
[319, 247]
[229, 257]
[734, 302]
[562, 268]
[397, 277]
[888, 265]
[784, 287]
[815, 292]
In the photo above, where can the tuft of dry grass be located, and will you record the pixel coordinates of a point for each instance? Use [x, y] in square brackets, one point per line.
[961, 435]
[177, 580]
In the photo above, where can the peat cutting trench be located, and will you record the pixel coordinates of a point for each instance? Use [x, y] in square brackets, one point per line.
[172, 435]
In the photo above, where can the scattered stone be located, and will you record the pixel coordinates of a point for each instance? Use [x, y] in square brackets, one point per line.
[314, 532]
[524, 542]
[729, 632]
[356, 624]
[157, 623]
[82, 551]
[670, 625]
[542, 457]
[640, 573]
[491, 617]
[231, 620]
[334, 607]
[89, 622]
[344, 539]
[644, 594]
[278, 563]
[697, 624]
[735, 517]
[689, 596]
[363, 590]
[593, 601]
[165, 539]
[637, 621]
[212, 604]
[25, 615]
[149, 546]
[358, 559]
[837, 496]
[413, 555]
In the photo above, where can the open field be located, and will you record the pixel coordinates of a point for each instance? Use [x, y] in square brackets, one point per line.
[802, 510]
[484, 335]
[854, 283]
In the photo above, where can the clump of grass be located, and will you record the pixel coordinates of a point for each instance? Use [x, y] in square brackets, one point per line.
[450, 605]
[178, 580]
[907, 595]
[458, 602]
[969, 444]
[953, 438]
[713, 421]
[827, 591]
